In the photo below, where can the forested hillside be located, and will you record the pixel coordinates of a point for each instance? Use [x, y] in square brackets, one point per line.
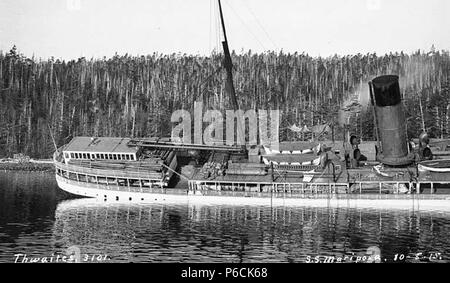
[135, 96]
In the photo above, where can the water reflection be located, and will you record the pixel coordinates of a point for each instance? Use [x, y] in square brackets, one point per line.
[192, 233]
[37, 219]
[28, 202]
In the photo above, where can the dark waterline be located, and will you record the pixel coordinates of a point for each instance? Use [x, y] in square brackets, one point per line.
[40, 220]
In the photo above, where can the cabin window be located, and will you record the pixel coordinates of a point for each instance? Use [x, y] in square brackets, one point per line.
[132, 157]
[102, 155]
[127, 156]
[84, 156]
[110, 156]
[71, 155]
[66, 155]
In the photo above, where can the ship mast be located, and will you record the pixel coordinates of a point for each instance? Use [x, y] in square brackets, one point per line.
[228, 63]
[229, 85]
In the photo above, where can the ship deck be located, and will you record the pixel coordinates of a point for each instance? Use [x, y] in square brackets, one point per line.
[141, 176]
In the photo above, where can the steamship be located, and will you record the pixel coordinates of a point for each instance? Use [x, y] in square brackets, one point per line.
[161, 169]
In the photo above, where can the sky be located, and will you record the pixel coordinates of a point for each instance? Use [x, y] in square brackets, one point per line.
[69, 29]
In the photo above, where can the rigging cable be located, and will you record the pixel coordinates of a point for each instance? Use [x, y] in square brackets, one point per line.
[210, 25]
[245, 25]
[218, 28]
[261, 26]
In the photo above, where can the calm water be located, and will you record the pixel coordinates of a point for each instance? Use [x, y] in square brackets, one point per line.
[38, 219]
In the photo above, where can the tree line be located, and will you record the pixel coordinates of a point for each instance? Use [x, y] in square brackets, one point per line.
[134, 96]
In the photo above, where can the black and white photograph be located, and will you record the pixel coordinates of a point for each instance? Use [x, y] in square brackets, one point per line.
[243, 133]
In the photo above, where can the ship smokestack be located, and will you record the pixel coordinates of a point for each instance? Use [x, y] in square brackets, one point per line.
[390, 121]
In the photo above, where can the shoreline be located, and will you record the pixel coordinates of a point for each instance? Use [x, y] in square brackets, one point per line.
[30, 166]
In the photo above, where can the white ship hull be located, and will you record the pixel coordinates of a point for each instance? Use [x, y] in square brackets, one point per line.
[103, 194]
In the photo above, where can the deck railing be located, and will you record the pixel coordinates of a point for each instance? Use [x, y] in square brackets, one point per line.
[105, 172]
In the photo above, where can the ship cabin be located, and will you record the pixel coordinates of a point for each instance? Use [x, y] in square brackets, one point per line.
[100, 148]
